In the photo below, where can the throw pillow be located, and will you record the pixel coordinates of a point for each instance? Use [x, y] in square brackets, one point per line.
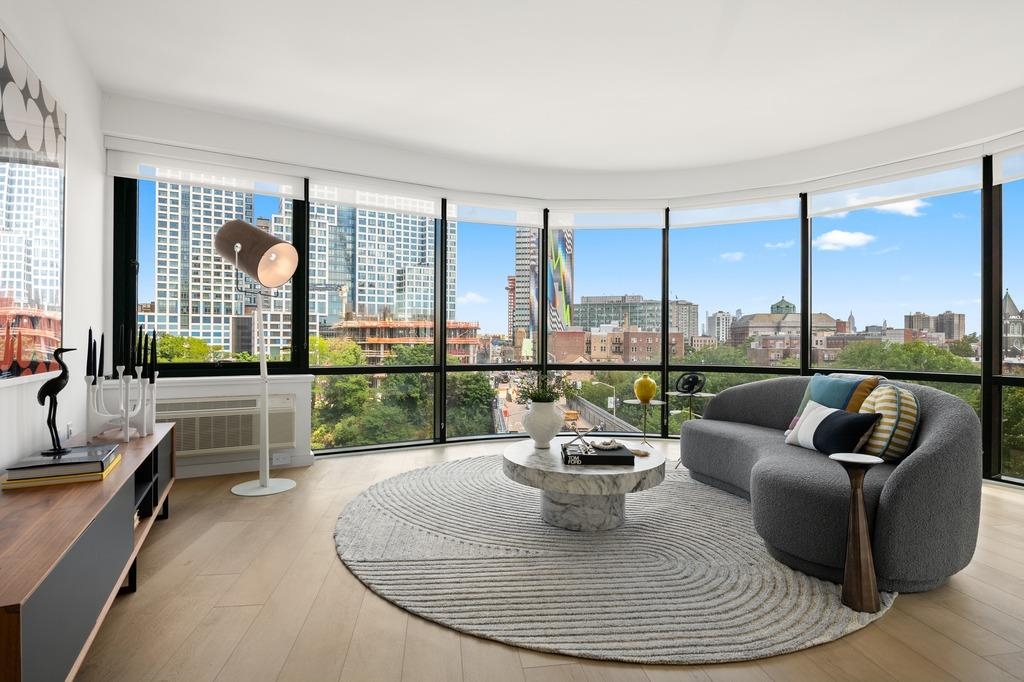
[831, 430]
[842, 391]
[897, 426]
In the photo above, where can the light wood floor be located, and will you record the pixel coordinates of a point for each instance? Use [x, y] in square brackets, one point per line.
[251, 589]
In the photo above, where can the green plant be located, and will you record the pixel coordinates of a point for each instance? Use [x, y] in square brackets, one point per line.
[539, 387]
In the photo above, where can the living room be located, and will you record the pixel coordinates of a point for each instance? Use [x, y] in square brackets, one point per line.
[766, 212]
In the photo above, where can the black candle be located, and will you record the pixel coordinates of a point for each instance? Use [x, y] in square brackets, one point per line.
[99, 371]
[138, 349]
[152, 360]
[145, 355]
[92, 357]
[90, 369]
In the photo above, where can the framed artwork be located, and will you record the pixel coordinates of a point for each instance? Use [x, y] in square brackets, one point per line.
[33, 131]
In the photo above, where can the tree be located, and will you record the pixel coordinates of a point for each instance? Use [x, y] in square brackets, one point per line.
[182, 349]
[916, 356]
[469, 404]
[963, 347]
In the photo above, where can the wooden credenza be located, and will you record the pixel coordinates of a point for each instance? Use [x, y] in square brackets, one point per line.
[66, 551]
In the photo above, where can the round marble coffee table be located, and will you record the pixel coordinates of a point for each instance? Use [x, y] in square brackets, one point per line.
[580, 497]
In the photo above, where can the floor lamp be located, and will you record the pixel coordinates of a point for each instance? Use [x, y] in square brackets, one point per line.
[270, 262]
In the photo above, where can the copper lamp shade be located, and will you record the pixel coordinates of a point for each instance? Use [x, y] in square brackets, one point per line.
[267, 259]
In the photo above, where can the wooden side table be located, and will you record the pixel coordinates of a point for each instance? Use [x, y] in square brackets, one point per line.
[860, 590]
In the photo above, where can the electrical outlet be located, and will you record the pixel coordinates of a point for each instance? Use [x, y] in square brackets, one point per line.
[279, 458]
[69, 431]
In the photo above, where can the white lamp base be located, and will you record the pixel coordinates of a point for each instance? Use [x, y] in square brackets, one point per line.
[254, 489]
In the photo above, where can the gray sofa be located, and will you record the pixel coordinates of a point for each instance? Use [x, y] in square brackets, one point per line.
[923, 512]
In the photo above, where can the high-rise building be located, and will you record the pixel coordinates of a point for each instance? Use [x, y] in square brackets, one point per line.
[31, 205]
[331, 262]
[527, 282]
[510, 292]
[951, 325]
[560, 280]
[719, 326]
[195, 289]
[918, 321]
[684, 317]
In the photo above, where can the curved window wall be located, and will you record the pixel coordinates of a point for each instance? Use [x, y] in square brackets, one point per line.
[894, 276]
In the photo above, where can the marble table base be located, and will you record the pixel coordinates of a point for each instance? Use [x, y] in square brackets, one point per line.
[583, 512]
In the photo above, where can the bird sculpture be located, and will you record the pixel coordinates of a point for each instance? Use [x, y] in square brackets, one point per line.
[50, 389]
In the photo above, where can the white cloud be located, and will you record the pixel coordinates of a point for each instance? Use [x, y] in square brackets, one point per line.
[470, 298]
[732, 256]
[911, 207]
[780, 245]
[888, 249]
[959, 216]
[840, 240]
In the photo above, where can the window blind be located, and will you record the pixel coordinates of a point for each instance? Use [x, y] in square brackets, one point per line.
[898, 190]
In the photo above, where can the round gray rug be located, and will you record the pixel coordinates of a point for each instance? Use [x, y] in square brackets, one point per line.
[685, 580]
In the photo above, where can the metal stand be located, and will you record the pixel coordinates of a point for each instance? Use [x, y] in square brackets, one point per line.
[265, 485]
[646, 407]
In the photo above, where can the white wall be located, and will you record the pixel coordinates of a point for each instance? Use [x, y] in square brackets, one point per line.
[37, 30]
[173, 124]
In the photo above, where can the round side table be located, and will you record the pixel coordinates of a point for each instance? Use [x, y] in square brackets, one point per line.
[646, 406]
[860, 590]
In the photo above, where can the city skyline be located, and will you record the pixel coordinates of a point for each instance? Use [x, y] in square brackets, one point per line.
[899, 248]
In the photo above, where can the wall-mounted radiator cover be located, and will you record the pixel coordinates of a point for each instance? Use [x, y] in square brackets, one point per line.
[213, 426]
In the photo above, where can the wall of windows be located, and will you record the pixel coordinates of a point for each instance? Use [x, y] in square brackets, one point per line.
[424, 314]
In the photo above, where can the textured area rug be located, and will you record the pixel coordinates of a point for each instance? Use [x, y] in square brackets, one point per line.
[685, 580]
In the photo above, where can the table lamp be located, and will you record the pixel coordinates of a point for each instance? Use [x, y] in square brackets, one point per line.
[270, 262]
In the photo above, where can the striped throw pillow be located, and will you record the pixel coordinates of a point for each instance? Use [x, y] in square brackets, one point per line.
[895, 430]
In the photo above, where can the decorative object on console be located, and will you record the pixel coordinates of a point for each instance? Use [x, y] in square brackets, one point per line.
[270, 262]
[135, 411]
[49, 391]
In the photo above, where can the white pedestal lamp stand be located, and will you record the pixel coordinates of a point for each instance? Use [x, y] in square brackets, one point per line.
[271, 262]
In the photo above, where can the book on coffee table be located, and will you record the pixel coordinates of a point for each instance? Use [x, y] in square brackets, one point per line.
[574, 455]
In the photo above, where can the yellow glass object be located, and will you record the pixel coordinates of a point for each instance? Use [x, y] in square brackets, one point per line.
[644, 388]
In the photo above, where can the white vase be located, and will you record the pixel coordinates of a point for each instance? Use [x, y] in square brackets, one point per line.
[542, 422]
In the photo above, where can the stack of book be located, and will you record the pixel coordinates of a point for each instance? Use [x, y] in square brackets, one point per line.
[575, 455]
[85, 463]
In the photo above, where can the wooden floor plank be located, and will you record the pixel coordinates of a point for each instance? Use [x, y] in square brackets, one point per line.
[377, 648]
[201, 656]
[433, 653]
[319, 651]
[263, 650]
[255, 591]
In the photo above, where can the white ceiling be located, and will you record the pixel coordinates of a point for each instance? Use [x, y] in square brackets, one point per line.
[582, 85]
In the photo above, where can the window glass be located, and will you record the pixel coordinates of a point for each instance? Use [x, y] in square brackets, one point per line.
[496, 287]
[897, 286]
[734, 286]
[371, 409]
[371, 281]
[193, 304]
[604, 290]
[1013, 278]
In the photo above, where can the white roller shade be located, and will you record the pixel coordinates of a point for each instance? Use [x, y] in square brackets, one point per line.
[777, 209]
[492, 215]
[897, 190]
[1008, 166]
[605, 220]
[376, 197]
[144, 166]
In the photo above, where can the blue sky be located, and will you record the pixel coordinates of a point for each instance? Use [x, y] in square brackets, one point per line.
[882, 263]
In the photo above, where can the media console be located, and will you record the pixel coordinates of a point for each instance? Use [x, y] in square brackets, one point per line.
[67, 551]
